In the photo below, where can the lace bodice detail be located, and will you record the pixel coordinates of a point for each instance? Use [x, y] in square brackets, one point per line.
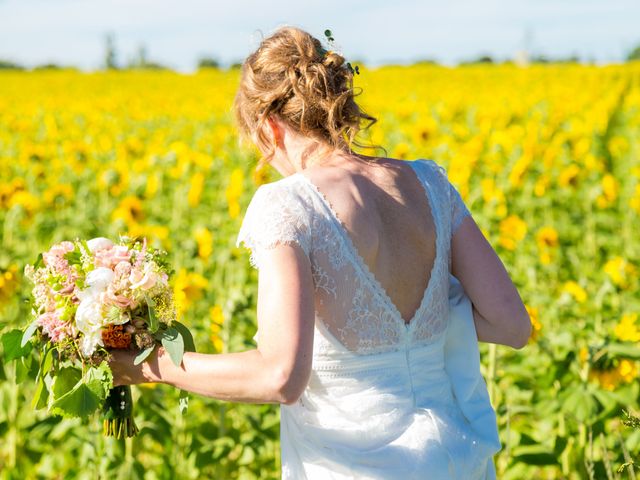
[352, 309]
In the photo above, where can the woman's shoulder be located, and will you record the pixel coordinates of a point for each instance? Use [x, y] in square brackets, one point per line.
[286, 188]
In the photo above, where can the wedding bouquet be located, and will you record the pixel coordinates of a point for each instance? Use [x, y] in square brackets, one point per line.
[90, 297]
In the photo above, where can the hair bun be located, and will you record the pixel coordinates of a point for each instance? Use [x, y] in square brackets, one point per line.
[333, 59]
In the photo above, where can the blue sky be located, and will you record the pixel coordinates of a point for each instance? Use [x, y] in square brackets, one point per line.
[177, 33]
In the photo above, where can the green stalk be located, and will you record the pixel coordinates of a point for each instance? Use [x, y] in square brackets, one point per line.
[14, 426]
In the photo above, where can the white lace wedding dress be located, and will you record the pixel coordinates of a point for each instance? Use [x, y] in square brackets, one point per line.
[385, 400]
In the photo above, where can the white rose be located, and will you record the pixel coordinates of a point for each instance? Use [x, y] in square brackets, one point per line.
[90, 342]
[99, 279]
[99, 243]
[89, 320]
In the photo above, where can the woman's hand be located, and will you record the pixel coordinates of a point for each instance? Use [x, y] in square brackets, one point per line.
[126, 373]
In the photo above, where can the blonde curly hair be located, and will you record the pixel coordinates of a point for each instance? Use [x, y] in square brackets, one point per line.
[310, 88]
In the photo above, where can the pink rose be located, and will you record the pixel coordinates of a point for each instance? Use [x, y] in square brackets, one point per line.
[54, 258]
[120, 253]
[111, 298]
[143, 280]
[110, 257]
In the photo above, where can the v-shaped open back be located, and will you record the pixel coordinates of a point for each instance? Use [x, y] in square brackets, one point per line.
[364, 267]
[353, 310]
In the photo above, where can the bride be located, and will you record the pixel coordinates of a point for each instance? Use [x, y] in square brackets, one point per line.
[375, 286]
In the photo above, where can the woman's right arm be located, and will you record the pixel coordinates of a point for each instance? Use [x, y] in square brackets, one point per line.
[498, 311]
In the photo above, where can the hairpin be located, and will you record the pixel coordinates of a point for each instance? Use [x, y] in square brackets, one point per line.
[331, 40]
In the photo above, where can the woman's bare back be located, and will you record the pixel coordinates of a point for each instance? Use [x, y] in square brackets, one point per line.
[385, 210]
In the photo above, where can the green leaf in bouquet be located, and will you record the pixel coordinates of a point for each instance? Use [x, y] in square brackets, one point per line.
[39, 261]
[85, 245]
[174, 344]
[28, 333]
[73, 257]
[78, 396]
[142, 356]
[3, 375]
[64, 381]
[189, 344]
[12, 345]
[24, 369]
[82, 401]
[40, 396]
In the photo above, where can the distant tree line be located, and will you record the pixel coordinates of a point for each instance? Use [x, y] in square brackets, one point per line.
[533, 59]
[141, 60]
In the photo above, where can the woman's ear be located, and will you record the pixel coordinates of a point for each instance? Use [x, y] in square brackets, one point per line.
[275, 129]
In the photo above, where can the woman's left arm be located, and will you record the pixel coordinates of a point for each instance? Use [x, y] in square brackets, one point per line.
[277, 371]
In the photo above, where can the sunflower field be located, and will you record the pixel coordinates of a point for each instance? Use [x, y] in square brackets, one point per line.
[546, 157]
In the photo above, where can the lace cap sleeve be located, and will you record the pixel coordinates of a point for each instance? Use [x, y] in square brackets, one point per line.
[275, 216]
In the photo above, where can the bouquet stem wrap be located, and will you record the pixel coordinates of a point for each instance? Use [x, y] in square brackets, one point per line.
[118, 413]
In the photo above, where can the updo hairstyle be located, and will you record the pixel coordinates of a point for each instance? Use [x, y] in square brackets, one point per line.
[309, 88]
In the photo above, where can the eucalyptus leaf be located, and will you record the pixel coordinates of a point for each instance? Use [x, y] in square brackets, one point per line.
[189, 344]
[174, 344]
[142, 356]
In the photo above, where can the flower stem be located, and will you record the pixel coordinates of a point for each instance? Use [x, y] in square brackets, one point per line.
[118, 413]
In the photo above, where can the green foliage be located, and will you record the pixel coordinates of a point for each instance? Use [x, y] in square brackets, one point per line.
[76, 395]
[13, 346]
[634, 54]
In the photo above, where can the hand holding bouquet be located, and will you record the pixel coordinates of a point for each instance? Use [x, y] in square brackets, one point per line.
[90, 297]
